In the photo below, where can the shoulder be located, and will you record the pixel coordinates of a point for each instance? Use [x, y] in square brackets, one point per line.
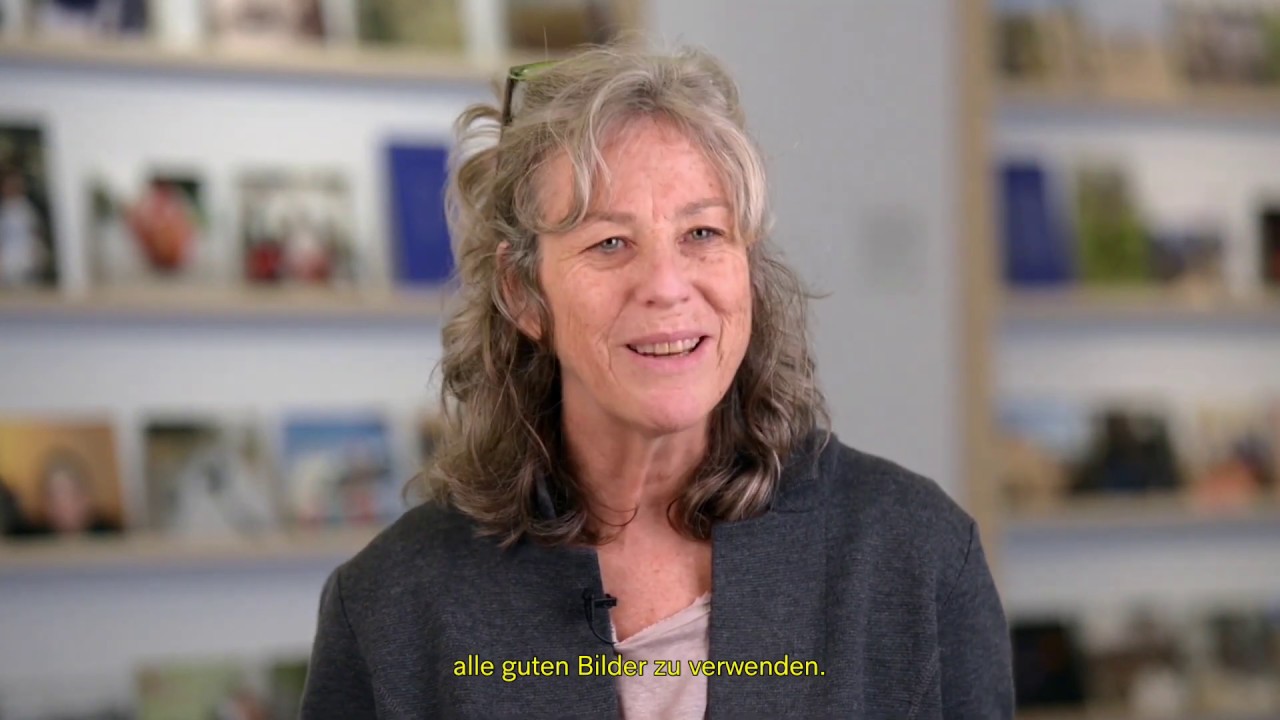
[428, 547]
[872, 502]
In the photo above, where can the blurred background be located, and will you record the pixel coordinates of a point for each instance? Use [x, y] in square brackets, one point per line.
[1047, 233]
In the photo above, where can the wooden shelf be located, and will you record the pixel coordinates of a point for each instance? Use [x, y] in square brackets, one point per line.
[1166, 512]
[147, 551]
[301, 61]
[1138, 304]
[1232, 103]
[227, 304]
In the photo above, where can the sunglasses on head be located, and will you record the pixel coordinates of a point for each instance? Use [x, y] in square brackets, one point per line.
[516, 76]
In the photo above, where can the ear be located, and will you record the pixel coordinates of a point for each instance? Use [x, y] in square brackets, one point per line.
[515, 297]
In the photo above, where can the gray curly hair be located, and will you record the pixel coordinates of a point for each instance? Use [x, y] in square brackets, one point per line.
[501, 457]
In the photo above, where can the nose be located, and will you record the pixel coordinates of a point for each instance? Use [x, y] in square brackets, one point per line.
[665, 275]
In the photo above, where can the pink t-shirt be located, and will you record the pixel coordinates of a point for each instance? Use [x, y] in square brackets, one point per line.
[675, 640]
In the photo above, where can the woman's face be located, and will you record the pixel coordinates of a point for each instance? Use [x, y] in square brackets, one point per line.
[651, 295]
[66, 502]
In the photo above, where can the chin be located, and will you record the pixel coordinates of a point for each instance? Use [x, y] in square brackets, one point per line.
[670, 415]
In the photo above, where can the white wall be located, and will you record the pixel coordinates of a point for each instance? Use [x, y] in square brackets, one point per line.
[855, 106]
[852, 102]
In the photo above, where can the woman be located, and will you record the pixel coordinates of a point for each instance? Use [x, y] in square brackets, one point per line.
[633, 466]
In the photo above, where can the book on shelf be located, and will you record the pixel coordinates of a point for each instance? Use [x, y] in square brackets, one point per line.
[259, 25]
[1048, 665]
[1215, 658]
[90, 20]
[1111, 242]
[212, 476]
[1138, 661]
[59, 477]
[419, 24]
[153, 234]
[418, 175]
[1189, 256]
[1227, 44]
[208, 476]
[220, 688]
[1130, 451]
[541, 26]
[1035, 243]
[1237, 454]
[339, 469]
[1242, 671]
[28, 241]
[297, 228]
[1056, 452]
[1046, 46]
[1041, 442]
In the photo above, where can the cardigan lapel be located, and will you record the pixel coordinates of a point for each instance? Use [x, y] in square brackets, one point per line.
[767, 599]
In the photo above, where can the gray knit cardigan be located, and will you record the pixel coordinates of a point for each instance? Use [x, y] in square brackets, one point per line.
[863, 592]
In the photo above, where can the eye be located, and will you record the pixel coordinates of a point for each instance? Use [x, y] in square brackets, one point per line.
[705, 233]
[610, 245]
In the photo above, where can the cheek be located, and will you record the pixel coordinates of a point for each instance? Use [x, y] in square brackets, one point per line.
[731, 295]
[582, 310]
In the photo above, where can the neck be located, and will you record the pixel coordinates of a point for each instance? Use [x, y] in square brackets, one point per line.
[632, 477]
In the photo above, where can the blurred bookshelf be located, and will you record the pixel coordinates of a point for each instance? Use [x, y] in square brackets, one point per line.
[338, 63]
[1169, 512]
[201, 188]
[1138, 304]
[1229, 103]
[1134, 295]
[158, 552]
[228, 304]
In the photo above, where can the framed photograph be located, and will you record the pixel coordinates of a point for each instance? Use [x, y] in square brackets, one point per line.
[230, 688]
[297, 228]
[211, 689]
[558, 25]
[1048, 665]
[1236, 454]
[28, 257]
[80, 20]
[1042, 443]
[1225, 43]
[419, 24]
[1239, 675]
[339, 469]
[1189, 256]
[266, 24]
[60, 476]
[1139, 661]
[1131, 451]
[208, 476]
[156, 234]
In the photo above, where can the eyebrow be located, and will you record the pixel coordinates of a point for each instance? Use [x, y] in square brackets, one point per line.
[692, 208]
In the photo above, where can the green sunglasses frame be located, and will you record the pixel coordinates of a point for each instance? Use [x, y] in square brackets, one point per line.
[515, 76]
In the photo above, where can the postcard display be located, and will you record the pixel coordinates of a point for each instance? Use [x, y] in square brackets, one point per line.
[254, 205]
[1139, 183]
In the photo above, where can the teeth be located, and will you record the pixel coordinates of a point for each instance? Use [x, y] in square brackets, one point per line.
[673, 348]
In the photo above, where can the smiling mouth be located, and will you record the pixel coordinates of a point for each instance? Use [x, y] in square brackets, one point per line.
[678, 348]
